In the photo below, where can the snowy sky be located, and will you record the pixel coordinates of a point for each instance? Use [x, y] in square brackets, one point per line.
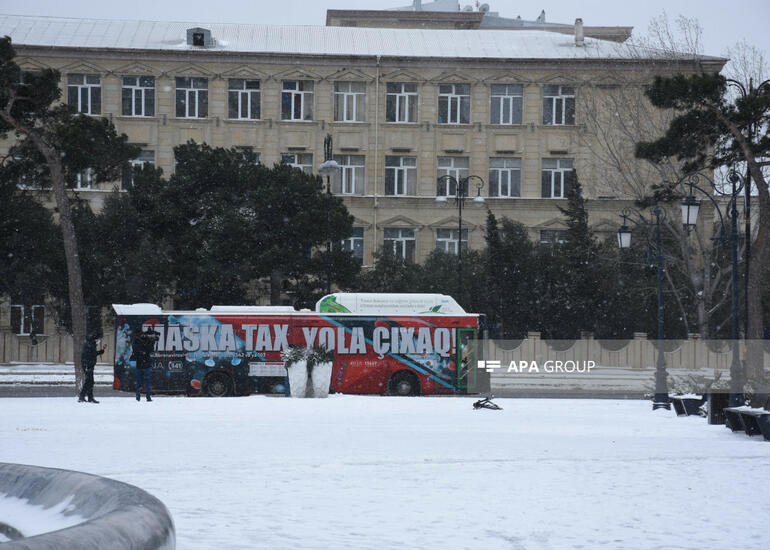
[724, 23]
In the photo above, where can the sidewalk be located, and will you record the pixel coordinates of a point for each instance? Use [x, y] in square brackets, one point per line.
[50, 374]
[606, 382]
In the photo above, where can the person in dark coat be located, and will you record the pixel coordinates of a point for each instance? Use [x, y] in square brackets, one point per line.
[144, 344]
[91, 351]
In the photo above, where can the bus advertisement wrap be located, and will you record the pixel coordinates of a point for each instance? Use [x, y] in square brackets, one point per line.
[372, 353]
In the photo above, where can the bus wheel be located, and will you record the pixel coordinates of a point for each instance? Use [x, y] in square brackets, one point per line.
[404, 383]
[218, 384]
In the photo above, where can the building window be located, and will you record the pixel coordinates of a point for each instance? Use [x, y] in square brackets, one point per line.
[303, 161]
[454, 103]
[192, 97]
[82, 180]
[349, 179]
[248, 149]
[506, 104]
[400, 176]
[504, 177]
[350, 101]
[355, 243]
[553, 236]
[27, 320]
[138, 96]
[401, 102]
[557, 178]
[401, 242]
[446, 240]
[84, 93]
[297, 100]
[243, 99]
[558, 105]
[457, 167]
[31, 174]
[145, 158]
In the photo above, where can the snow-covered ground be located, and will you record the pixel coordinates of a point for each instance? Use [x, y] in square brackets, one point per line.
[380, 472]
[51, 374]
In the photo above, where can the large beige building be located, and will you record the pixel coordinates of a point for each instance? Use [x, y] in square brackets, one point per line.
[406, 107]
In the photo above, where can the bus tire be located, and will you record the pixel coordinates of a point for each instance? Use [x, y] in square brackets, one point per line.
[404, 383]
[218, 384]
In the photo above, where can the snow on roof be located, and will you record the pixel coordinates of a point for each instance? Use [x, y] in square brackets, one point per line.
[252, 309]
[438, 5]
[136, 309]
[308, 40]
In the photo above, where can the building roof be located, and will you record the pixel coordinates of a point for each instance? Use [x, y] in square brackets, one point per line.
[491, 18]
[437, 5]
[307, 40]
[469, 18]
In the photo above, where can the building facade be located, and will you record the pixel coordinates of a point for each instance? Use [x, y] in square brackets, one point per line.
[405, 109]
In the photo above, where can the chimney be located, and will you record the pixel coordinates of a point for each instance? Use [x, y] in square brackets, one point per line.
[579, 38]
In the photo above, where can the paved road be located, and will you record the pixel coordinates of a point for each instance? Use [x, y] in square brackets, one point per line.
[59, 390]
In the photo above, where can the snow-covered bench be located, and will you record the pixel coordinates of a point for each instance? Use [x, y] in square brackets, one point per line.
[753, 419]
[687, 405]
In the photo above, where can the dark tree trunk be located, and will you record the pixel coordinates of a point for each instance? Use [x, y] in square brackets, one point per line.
[275, 287]
[74, 275]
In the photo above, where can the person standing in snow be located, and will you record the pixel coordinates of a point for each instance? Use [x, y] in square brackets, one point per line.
[144, 344]
[91, 351]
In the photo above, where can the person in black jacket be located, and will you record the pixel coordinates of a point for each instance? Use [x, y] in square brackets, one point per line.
[144, 344]
[91, 351]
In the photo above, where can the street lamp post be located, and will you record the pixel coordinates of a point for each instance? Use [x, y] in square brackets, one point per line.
[328, 168]
[660, 399]
[461, 193]
[690, 206]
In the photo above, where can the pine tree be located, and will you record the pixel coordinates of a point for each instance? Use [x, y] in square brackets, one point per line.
[575, 284]
[55, 143]
[712, 129]
[239, 222]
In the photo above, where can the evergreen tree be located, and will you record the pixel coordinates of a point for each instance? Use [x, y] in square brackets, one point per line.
[239, 222]
[578, 298]
[510, 276]
[31, 258]
[713, 129]
[438, 274]
[55, 144]
[390, 273]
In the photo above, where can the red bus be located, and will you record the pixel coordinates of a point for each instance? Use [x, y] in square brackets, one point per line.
[397, 344]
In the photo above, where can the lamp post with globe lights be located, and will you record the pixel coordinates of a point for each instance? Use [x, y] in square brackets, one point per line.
[660, 399]
[329, 167]
[690, 208]
[461, 187]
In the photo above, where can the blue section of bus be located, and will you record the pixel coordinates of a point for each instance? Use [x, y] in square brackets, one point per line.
[200, 320]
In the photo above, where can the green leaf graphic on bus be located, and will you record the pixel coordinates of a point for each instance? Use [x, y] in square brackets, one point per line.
[330, 305]
[434, 309]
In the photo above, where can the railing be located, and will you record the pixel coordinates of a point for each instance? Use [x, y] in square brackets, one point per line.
[611, 367]
[53, 348]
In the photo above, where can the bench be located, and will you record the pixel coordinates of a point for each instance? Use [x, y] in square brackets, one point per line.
[716, 402]
[753, 419]
[687, 405]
